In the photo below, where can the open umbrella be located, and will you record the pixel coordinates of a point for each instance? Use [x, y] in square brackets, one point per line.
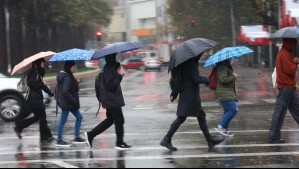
[227, 53]
[288, 32]
[27, 63]
[72, 54]
[189, 49]
[118, 47]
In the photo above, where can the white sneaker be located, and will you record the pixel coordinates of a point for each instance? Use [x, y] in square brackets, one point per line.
[223, 131]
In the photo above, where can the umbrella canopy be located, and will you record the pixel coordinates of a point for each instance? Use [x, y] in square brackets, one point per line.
[189, 49]
[118, 47]
[227, 53]
[288, 32]
[72, 54]
[26, 64]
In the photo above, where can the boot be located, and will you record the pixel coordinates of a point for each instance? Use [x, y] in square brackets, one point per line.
[166, 142]
[213, 141]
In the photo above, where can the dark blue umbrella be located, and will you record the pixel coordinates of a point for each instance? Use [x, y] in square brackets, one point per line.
[118, 47]
[72, 54]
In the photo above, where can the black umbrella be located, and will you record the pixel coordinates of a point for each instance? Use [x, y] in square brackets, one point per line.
[189, 49]
[288, 32]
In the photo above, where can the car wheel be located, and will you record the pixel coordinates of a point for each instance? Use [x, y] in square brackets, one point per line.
[10, 108]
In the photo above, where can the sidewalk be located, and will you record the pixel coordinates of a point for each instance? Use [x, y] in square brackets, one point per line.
[82, 75]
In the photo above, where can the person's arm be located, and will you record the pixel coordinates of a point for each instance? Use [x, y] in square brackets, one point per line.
[224, 77]
[66, 86]
[196, 77]
[112, 80]
[289, 66]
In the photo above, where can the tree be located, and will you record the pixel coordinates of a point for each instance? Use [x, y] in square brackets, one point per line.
[15, 32]
[3, 44]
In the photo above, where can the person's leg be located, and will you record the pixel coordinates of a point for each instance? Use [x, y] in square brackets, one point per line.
[79, 119]
[212, 142]
[63, 119]
[175, 126]
[119, 122]
[45, 132]
[294, 106]
[231, 110]
[22, 124]
[281, 107]
[166, 142]
[103, 126]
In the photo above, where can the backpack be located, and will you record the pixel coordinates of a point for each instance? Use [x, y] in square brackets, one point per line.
[98, 86]
[176, 81]
[22, 85]
[213, 79]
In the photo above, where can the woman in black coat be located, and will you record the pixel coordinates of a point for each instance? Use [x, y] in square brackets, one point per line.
[190, 104]
[34, 102]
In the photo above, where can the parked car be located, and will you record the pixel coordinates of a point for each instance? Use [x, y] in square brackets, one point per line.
[92, 63]
[12, 102]
[133, 63]
[152, 64]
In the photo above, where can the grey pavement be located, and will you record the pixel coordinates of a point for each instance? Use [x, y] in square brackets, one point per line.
[148, 115]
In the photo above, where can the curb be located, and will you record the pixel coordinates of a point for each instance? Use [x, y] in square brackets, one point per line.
[83, 75]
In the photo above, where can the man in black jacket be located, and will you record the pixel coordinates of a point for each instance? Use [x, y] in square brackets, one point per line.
[112, 99]
[34, 102]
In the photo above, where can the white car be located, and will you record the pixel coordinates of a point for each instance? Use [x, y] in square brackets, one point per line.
[12, 102]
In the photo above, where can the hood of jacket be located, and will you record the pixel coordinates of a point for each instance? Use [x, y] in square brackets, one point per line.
[289, 44]
[61, 75]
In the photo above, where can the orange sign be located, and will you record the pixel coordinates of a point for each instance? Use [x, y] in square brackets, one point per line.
[143, 32]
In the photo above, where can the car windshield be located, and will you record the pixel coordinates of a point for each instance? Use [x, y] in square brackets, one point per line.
[2, 76]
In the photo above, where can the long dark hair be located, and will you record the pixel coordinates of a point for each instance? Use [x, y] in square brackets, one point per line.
[68, 65]
[37, 66]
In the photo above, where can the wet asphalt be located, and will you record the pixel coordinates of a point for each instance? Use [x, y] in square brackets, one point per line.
[148, 115]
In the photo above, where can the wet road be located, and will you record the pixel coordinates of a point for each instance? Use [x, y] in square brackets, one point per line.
[148, 115]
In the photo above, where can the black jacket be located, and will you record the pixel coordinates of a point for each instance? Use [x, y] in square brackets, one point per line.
[189, 101]
[68, 92]
[35, 95]
[111, 92]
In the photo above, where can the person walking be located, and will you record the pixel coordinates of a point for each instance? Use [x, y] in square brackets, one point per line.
[68, 101]
[226, 94]
[112, 99]
[286, 67]
[190, 104]
[34, 102]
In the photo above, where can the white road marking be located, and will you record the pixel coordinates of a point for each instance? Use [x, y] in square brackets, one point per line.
[63, 164]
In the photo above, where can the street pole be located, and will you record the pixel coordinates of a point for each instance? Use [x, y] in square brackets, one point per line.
[270, 49]
[232, 15]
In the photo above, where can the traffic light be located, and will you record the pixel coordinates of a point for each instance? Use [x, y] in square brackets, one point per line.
[99, 36]
[193, 23]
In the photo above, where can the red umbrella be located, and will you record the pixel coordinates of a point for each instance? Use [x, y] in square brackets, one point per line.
[27, 63]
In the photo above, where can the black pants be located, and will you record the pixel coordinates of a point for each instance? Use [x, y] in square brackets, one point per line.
[201, 121]
[287, 99]
[41, 116]
[114, 116]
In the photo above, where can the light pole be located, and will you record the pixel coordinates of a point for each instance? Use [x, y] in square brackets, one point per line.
[233, 23]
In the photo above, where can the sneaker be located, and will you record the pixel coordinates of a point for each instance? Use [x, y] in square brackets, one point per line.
[79, 140]
[62, 144]
[88, 139]
[122, 146]
[223, 131]
[215, 141]
[18, 132]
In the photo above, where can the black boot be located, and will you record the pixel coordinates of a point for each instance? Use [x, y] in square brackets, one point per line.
[213, 141]
[166, 142]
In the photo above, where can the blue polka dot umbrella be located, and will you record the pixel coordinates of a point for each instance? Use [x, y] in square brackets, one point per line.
[118, 47]
[227, 53]
[72, 54]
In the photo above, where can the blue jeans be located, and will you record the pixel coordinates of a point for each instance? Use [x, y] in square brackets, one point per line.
[230, 111]
[63, 119]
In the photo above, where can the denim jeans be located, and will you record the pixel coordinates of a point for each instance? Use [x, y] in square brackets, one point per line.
[63, 119]
[230, 111]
